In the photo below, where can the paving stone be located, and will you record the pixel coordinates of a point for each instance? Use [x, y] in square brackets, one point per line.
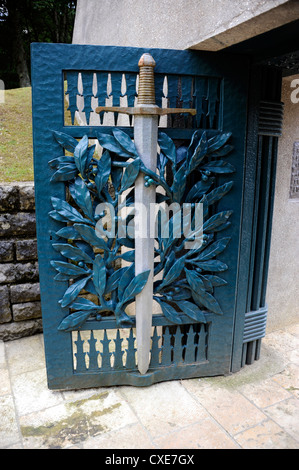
[286, 413]
[35, 356]
[129, 437]
[289, 379]
[266, 435]
[227, 406]
[5, 387]
[205, 434]
[264, 393]
[71, 423]
[17, 445]
[293, 330]
[162, 406]
[282, 340]
[2, 354]
[31, 392]
[217, 412]
[293, 356]
[8, 425]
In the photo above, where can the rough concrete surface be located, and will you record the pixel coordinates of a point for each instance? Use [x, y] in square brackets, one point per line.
[283, 275]
[198, 24]
[256, 408]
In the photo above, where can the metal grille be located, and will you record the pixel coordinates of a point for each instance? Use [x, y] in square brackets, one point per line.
[270, 118]
[86, 90]
[109, 349]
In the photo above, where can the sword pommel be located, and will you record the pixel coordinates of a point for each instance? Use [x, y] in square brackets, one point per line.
[146, 60]
[146, 87]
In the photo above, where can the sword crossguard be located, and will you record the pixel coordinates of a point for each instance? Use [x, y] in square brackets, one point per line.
[146, 102]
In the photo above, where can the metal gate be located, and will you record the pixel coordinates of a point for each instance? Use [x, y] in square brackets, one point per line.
[85, 157]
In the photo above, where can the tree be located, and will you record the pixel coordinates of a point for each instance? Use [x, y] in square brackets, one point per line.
[26, 21]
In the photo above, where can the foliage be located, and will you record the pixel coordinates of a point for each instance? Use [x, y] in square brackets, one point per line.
[88, 183]
[188, 276]
[25, 21]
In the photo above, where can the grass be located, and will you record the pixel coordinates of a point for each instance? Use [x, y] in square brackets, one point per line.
[16, 153]
[16, 149]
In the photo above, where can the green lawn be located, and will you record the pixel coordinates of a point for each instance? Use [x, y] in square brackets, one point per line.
[16, 152]
[16, 158]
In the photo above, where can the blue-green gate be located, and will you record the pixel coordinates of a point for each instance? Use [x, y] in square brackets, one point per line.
[206, 325]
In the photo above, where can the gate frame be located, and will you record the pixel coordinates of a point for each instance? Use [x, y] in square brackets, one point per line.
[48, 74]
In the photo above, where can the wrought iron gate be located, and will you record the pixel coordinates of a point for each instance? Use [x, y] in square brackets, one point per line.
[88, 283]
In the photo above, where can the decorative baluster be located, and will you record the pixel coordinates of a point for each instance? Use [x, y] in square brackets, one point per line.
[93, 353]
[80, 355]
[213, 99]
[190, 346]
[200, 96]
[201, 354]
[131, 91]
[87, 81]
[118, 353]
[173, 92]
[186, 87]
[155, 351]
[116, 81]
[131, 362]
[102, 79]
[106, 352]
[196, 339]
[159, 89]
[167, 348]
[178, 349]
[172, 96]
[72, 92]
[159, 85]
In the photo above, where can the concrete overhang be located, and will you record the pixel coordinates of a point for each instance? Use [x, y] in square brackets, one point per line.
[278, 47]
[263, 29]
[252, 22]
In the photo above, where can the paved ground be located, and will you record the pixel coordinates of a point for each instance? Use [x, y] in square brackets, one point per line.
[255, 408]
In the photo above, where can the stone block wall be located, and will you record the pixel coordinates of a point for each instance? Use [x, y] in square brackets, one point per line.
[20, 309]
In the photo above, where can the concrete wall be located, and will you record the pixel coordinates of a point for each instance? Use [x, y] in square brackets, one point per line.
[179, 24]
[283, 280]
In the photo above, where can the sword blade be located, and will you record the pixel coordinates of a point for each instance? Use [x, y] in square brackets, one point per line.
[145, 138]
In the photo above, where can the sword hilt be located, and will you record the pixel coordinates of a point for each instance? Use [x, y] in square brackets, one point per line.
[146, 103]
[146, 86]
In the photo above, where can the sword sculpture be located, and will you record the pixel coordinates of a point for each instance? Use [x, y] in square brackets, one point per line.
[146, 115]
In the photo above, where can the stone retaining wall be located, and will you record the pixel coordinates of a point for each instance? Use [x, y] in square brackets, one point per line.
[20, 309]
